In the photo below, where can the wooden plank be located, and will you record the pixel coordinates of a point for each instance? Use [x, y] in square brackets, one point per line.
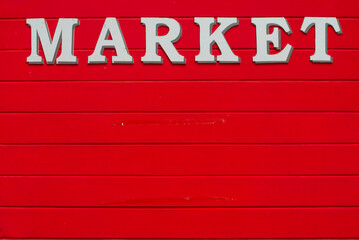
[171, 191]
[170, 159]
[241, 36]
[179, 96]
[183, 8]
[179, 128]
[345, 66]
[179, 223]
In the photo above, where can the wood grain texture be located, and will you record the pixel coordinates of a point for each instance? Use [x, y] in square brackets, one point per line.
[241, 36]
[170, 159]
[179, 128]
[179, 222]
[183, 8]
[181, 96]
[344, 67]
[179, 191]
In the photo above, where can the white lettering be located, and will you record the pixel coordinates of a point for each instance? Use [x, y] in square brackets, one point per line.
[64, 33]
[117, 42]
[264, 39]
[166, 41]
[207, 39]
[321, 36]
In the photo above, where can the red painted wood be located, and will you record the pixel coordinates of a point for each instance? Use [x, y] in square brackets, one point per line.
[240, 159]
[179, 96]
[344, 67]
[180, 128]
[180, 206]
[183, 8]
[180, 222]
[241, 36]
[179, 191]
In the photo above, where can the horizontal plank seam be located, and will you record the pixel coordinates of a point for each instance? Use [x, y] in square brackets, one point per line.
[183, 18]
[176, 16]
[181, 207]
[170, 112]
[183, 112]
[327, 238]
[189, 176]
[171, 144]
[188, 80]
[180, 81]
[178, 143]
[23, 238]
[182, 48]
[190, 49]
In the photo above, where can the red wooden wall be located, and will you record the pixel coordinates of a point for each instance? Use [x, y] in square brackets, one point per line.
[179, 151]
